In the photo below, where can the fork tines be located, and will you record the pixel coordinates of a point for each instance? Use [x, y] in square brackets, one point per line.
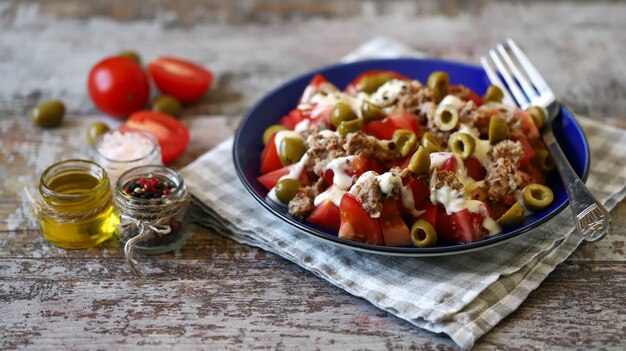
[523, 85]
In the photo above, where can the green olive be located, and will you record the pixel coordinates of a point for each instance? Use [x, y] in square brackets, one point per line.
[370, 84]
[130, 54]
[438, 84]
[371, 112]
[493, 94]
[420, 161]
[430, 143]
[167, 104]
[446, 118]
[286, 189]
[462, 144]
[537, 197]
[48, 114]
[514, 216]
[538, 115]
[423, 234]
[498, 130]
[405, 141]
[348, 127]
[342, 113]
[271, 130]
[544, 160]
[95, 130]
[291, 150]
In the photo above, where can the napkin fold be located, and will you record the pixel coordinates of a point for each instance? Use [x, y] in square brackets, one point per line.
[463, 296]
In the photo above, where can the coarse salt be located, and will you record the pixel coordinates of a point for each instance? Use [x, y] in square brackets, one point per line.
[125, 146]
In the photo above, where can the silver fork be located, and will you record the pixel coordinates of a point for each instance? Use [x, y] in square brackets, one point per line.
[525, 87]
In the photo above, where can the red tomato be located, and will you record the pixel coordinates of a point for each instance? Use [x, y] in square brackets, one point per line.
[528, 125]
[430, 214]
[351, 88]
[420, 191]
[326, 215]
[317, 80]
[118, 86]
[270, 161]
[173, 136]
[384, 128]
[395, 232]
[294, 117]
[474, 97]
[182, 79]
[529, 152]
[449, 165]
[357, 167]
[474, 168]
[458, 227]
[270, 179]
[356, 223]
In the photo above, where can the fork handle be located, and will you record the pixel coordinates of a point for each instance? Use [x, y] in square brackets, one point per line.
[591, 218]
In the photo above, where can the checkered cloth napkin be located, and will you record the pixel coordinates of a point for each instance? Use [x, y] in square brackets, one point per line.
[463, 296]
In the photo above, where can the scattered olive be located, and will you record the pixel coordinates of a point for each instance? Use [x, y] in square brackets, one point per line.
[538, 115]
[95, 130]
[512, 217]
[130, 54]
[370, 84]
[48, 114]
[291, 150]
[348, 127]
[438, 84]
[462, 144]
[286, 189]
[544, 160]
[430, 143]
[498, 130]
[167, 104]
[420, 161]
[493, 94]
[342, 113]
[423, 234]
[537, 197]
[271, 130]
[446, 118]
[405, 141]
[371, 112]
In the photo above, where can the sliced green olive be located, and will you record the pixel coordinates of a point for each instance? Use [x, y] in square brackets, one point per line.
[438, 83]
[342, 113]
[48, 114]
[286, 189]
[498, 130]
[370, 84]
[423, 234]
[348, 127]
[130, 54]
[538, 115]
[95, 130]
[405, 141]
[514, 216]
[544, 160]
[493, 94]
[420, 161]
[167, 104]
[462, 144]
[430, 143]
[537, 197]
[291, 150]
[371, 112]
[446, 118]
[271, 130]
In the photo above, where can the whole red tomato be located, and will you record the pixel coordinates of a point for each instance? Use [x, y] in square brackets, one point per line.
[182, 79]
[118, 86]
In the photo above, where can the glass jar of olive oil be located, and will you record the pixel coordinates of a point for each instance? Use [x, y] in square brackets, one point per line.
[76, 210]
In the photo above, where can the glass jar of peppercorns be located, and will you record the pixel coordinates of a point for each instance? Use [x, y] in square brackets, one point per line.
[151, 202]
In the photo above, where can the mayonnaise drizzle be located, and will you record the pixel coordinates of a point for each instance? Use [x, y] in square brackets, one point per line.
[388, 91]
[340, 166]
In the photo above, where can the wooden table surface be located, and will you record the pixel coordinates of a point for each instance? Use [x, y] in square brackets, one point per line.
[215, 293]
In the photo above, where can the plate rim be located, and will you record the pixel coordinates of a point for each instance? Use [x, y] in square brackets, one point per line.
[392, 250]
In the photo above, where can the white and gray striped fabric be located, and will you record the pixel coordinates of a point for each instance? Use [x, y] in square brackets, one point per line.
[463, 296]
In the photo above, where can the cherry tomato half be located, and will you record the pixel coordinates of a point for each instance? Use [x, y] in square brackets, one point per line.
[118, 86]
[173, 136]
[182, 79]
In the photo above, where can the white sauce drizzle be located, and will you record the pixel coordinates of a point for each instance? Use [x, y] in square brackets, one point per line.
[483, 147]
[340, 166]
[388, 91]
[333, 193]
[303, 126]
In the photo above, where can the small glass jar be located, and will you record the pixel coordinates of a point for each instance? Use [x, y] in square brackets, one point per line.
[115, 166]
[76, 211]
[162, 215]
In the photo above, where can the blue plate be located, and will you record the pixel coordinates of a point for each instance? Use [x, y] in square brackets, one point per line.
[248, 146]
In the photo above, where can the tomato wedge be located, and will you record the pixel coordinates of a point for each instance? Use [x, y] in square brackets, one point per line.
[458, 227]
[384, 128]
[356, 223]
[449, 165]
[179, 78]
[270, 179]
[317, 80]
[395, 231]
[529, 152]
[430, 213]
[292, 119]
[326, 215]
[474, 168]
[474, 97]
[173, 136]
[528, 125]
[270, 161]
